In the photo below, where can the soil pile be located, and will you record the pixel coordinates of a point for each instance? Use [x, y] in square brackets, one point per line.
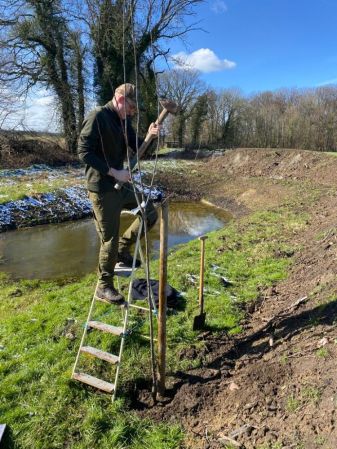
[279, 164]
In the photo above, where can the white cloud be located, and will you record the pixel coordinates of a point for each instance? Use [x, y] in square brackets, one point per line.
[325, 83]
[40, 98]
[35, 112]
[219, 6]
[203, 59]
[43, 101]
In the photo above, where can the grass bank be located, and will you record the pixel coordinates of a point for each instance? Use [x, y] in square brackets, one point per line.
[17, 184]
[42, 322]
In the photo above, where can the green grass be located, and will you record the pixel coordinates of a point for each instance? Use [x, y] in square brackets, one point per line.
[322, 352]
[20, 188]
[330, 153]
[275, 445]
[42, 322]
[311, 394]
[293, 404]
[38, 400]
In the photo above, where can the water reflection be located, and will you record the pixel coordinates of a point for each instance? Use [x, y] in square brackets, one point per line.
[70, 249]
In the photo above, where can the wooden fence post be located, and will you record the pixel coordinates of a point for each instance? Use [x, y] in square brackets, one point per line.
[162, 298]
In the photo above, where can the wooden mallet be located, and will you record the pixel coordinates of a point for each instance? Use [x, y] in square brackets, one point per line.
[169, 107]
[199, 320]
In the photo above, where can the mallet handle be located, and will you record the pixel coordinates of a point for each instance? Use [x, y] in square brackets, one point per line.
[144, 146]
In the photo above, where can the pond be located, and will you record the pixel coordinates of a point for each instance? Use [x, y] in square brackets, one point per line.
[71, 248]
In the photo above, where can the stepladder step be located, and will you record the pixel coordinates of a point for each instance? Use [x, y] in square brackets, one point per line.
[94, 382]
[122, 270]
[115, 330]
[111, 358]
[122, 329]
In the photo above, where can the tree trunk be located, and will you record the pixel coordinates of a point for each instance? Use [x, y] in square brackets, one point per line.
[181, 129]
[79, 57]
[59, 79]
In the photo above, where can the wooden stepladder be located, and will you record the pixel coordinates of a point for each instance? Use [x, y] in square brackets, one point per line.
[118, 331]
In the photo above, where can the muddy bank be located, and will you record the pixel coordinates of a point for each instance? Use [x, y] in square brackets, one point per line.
[242, 180]
[281, 165]
[21, 149]
[274, 386]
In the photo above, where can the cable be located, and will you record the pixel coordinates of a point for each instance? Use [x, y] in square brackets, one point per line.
[147, 266]
[144, 198]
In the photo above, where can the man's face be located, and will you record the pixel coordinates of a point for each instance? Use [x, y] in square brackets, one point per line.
[126, 107]
[131, 108]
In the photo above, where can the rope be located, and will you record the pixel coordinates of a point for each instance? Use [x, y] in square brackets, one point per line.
[147, 266]
[144, 198]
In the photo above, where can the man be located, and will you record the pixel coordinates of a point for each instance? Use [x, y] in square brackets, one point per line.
[106, 134]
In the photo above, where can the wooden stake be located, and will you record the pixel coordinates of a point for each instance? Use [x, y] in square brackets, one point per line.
[199, 320]
[162, 299]
[202, 273]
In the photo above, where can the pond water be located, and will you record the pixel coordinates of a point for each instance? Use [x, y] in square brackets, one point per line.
[71, 248]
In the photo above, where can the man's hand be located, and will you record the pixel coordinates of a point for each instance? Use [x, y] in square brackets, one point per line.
[154, 130]
[119, 175]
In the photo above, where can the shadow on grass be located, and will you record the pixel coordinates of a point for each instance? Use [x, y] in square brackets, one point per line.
[280, 328]
[7, 441]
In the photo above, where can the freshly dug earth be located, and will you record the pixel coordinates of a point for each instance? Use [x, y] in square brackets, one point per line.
[275, 385]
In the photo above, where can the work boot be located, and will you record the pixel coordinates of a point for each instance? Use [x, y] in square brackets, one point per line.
[126, 258]
[110, 295]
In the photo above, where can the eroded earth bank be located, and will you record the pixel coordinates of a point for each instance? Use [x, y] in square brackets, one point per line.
[275, 385]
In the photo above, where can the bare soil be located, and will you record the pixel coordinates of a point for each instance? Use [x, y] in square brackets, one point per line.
[18, 149]
[275, 385]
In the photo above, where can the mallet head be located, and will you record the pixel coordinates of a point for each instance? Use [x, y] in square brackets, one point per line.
[169, 105]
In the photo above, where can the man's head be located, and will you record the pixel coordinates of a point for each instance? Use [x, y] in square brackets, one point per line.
[124, 100]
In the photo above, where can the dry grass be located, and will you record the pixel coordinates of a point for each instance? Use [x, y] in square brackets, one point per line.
[24, 149]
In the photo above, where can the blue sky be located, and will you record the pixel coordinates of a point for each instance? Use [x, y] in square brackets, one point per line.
[253, 45]
[273, 43]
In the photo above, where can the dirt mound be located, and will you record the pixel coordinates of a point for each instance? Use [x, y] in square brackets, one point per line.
[18, 150]
[275, 386]
[278, 164]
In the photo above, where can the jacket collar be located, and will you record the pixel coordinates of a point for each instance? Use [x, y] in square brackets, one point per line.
[109, 106]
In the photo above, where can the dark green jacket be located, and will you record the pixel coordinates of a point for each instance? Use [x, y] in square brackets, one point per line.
[102, 145]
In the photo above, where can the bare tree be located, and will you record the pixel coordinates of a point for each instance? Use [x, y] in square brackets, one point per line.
[40, 48]
[198, 117]
[287, 118]
[8, 105]
[183, 86]
[128, 35]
